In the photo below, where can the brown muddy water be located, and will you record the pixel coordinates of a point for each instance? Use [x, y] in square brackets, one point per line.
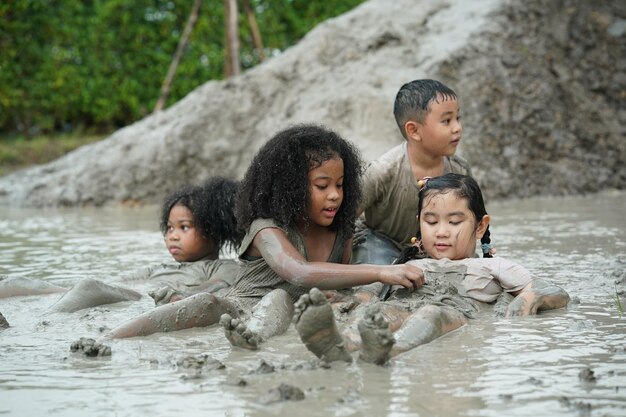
[492, 367]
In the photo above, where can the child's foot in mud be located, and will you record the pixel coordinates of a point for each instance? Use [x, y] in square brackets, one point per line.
[165, 295]
[376, 338]
[316, 325]
[238, 334]
[89, 347]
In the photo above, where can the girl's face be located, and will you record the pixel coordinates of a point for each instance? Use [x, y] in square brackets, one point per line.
[184, 242]
[325, 192]
[448, 227]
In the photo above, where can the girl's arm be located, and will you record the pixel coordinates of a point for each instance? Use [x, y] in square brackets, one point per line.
[289, 264]
[537, 295]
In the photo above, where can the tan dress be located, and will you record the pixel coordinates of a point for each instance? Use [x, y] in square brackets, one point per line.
[188, 274]
[256, 278]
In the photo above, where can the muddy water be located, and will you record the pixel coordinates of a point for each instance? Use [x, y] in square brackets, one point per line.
[492, 367]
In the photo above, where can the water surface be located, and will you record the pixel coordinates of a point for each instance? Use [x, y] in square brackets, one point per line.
[492, 367]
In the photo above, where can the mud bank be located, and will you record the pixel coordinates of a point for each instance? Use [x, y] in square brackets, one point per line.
[542, 87]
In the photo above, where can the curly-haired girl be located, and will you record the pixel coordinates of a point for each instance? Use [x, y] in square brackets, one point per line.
[297, 204]
[197, 222]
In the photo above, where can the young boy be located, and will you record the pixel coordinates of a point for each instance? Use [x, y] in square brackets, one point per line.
[428, 115]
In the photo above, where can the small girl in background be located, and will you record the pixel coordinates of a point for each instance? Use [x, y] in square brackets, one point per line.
[197, 222]
[297, 203]
[451, 217]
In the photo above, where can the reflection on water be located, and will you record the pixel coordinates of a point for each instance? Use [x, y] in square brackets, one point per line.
[492, 367]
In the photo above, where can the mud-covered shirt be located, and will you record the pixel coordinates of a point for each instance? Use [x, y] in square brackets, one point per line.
[188, 273]
[482, 279]
[461, 284]
[390, 193]
[256, 278]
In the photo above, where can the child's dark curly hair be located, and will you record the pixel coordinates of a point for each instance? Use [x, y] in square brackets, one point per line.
[212, 207]
[276, 183]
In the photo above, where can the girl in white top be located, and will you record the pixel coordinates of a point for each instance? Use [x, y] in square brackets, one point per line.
[452, 217]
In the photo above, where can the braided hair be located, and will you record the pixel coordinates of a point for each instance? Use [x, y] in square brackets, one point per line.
[463, 186]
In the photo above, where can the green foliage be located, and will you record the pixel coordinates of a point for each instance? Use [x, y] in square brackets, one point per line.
[17, 152]
[99, 64]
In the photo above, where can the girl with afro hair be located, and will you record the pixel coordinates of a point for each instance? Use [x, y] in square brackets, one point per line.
[197, 222]
[297, 204]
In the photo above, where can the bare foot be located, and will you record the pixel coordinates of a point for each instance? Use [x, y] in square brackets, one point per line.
[376, 338]
[238, 334]
[165, 295]
[316, 325]
[90, 347]
[90, 292]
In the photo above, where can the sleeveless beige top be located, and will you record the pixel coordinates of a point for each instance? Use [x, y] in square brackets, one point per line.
[256, 279]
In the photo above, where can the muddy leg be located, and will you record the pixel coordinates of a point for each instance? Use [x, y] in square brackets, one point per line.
[199, 310]
[271, 316]
[425, 325]
[13, 287]
[376, 337]
[90, 293]
[316, 325]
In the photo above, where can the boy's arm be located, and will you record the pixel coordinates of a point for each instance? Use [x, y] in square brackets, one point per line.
[537, 295]
[372, 187]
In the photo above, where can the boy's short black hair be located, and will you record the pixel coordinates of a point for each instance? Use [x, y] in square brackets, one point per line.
[414, 98]
[275, 185]
[212, 206]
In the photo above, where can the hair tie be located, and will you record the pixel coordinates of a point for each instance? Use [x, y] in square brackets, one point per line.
[487, 247]
[423, 183]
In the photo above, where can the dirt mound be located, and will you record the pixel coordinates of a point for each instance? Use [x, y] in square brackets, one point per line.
[542, 87]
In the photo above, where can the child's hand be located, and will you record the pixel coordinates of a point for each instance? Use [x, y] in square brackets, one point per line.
[409, 276]
[165, 295]
[524, 304]
[333, 296]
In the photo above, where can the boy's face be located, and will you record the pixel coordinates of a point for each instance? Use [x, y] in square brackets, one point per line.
[325, 192]
[183, 240]
[440, 133]
[448, 227]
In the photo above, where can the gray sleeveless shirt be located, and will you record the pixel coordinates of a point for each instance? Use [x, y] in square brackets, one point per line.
[256, 278]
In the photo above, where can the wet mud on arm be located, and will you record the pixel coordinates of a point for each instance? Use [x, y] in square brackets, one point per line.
[536, 296]
[290, 265]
